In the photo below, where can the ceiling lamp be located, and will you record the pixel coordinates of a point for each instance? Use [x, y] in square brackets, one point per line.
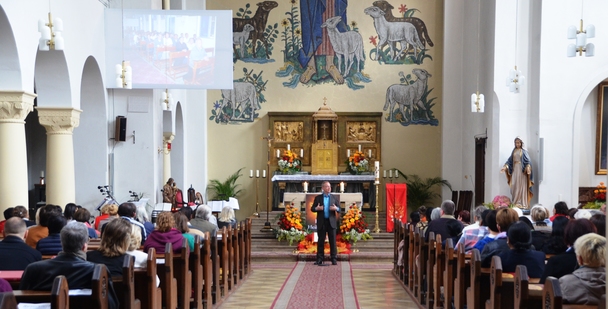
[50, 34]
[515, 80]
[581, 37]
[167, 100]
[124, 76]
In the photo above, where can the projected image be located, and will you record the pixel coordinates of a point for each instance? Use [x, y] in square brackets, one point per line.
[170, 49]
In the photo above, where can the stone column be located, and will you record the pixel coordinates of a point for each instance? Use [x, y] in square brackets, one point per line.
[14, 107]
[167, 138]
[60, 180]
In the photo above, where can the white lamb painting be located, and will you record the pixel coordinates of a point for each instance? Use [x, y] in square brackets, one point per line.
[409, 102]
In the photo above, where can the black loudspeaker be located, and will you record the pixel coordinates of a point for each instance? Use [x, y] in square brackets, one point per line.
[120, 134]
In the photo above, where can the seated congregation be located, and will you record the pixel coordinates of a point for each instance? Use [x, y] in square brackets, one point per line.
[122, 260]
[504, 259]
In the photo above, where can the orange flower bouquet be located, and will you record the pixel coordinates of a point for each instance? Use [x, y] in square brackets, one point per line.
[290, 162]
[353, 226]
[357, 163]
[599, 195]
[290, 225]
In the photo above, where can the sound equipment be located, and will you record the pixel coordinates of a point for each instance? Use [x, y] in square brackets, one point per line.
[120, 134]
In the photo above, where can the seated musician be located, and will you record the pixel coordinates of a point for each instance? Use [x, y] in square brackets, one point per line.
[71, 263]
[587, 284]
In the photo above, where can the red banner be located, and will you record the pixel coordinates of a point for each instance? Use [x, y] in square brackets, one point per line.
[396, 204]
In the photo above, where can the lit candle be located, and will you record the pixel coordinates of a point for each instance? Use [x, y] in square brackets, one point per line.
[288, 147]
[257, 173]
[348, 153]
[305, 184]
[341, 186]
[384, 173]
[390, 173]
[278, 153]
[42, 174]
[396, 173]
[301, 152]
[250, 173]
[359, 147]
[377, 169]
[264, 174]
[369, 153]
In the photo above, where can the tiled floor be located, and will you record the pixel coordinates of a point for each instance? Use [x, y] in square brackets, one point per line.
[375, 287]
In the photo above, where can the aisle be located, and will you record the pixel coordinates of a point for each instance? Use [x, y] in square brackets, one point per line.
[375, 286]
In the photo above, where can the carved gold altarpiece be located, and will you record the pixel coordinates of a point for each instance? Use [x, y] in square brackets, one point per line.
[324, 141]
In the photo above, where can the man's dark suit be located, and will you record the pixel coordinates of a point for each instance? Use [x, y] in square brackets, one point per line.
[560, 265]
[15, 254]
[328, 226]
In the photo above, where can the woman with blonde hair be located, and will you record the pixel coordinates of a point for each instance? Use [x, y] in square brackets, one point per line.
[164, 233]
[587, 284]
[141, 257]
[226, 218]
[112, 212]
[113, 247]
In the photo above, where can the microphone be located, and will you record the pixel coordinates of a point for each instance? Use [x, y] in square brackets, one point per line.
[98, 187]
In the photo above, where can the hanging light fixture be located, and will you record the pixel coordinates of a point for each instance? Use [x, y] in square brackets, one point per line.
[477, 99]
[124, 73]
[50, 33]
[515, 79]
[581, 37]
[167, 100]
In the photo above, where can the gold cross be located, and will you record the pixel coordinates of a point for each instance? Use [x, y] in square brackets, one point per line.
[268, 138]
[324, 127]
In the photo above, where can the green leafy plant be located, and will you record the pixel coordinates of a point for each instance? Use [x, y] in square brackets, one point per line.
[226, 189]
[421, 191]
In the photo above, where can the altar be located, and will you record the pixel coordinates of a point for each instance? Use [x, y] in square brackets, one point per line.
[358, 188]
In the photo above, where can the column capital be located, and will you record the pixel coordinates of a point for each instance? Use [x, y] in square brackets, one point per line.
[168, 137]
[59, 120]
[15, 105]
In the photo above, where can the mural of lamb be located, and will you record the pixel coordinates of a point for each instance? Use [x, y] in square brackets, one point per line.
[417, 22]
[390, 32]
[346, 44]
[240, 38]
[241, 94]
[407, 96]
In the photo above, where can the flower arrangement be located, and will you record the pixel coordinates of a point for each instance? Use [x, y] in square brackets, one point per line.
[307, 245]
[289, 162]
[599, 196]
[499, 201]
[290, 225]
[353, 226]
[357, 163]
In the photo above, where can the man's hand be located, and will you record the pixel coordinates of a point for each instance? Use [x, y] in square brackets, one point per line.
[319, 207]
[334, 208]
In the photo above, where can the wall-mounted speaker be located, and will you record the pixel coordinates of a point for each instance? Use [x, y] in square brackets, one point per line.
[120, 133]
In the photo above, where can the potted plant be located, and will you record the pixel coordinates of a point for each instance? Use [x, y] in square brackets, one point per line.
[226, 189]
[421, 191]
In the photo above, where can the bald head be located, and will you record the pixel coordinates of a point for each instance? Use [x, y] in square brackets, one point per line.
[15, 226]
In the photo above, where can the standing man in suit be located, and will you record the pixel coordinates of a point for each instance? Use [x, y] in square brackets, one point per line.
[325, 205]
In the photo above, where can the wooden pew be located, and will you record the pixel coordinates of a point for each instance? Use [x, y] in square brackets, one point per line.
[235, 258]
[222, 245]
[438, 269]
[247, 239]
[478, 291]
[216, 291]
[228, 272]
[97, 300]
[422, 248]
[168, 283]
[429, 270]
[463, 280]
[125, 286]
[242, 250]
[207, 271]
[58, 296]
[552, 297]
[526, 295]
[196, 268]
[449, 273]
[496, 284]
[145, 284]
[182, 274]
[411, 258]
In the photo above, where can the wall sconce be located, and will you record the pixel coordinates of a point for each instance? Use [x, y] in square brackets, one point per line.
[581, 37]
[477, 102]
[166, 148]
[167, 100]
[124, 75]
[50, 34]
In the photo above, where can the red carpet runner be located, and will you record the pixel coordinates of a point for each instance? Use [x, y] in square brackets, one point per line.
[310, 286]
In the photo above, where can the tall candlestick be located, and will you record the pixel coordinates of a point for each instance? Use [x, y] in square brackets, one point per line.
[348, 153]
[377, 170]
[305, 185]
[257, 173]
[264, 174]
[301, 152]
[359, 147]
[250, 173]
[288, 147]
[341, 186]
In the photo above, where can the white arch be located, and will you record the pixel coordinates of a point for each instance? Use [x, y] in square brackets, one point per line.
[91, 137]
[576, 125]
[52, 79]
[10, 70]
